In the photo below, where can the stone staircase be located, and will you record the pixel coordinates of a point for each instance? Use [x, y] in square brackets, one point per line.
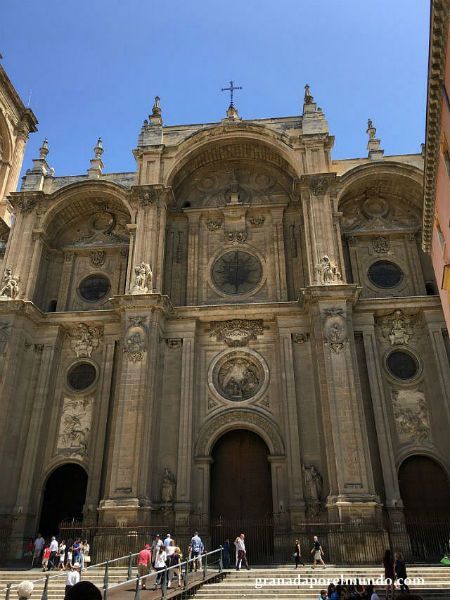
[57, 584]
[266, 583]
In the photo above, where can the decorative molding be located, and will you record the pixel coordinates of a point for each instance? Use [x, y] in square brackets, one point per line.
[174, 343]
[335, 329]
[97, 258]
[236, 332]
[135, 345]
[318, 184]
[84, 339]
[214, 224]
[236, 237]
[212, 404]
[257, 221]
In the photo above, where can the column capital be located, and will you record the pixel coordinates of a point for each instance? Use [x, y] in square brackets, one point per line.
[143, 196]
[316, 294]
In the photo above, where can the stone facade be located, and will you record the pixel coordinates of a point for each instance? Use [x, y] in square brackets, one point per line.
[239, 279]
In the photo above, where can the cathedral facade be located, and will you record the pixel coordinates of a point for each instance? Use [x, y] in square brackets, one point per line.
[243, 328]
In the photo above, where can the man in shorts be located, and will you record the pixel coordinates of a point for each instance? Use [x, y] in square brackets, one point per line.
[317, 552]
[197, 549]
[144, 560]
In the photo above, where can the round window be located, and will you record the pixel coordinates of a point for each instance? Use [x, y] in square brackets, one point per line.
[81, 376]
[237, 272]
[94, 287]
[385, 274]
[402, 365]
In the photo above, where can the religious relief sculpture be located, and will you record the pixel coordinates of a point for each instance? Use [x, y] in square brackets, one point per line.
[214, 224]
[135, 345]
[239, 378]
[313, 489]
[327, 272]
[168, 487]
[84, 339]
[411, 415]
[398, 328]
[236, 237]
[75, 426]
[9, 287]
[237, 332]
[142, 279]
[335, 329]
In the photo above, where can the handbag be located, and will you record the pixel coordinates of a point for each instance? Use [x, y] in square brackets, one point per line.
[87, 559]
[445, 560]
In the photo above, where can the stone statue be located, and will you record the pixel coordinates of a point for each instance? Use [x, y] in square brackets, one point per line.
[168, 487]
[313, 483]
[371, 130]
[328, 273]
[142, 279]
[9, 286]
[308, 99]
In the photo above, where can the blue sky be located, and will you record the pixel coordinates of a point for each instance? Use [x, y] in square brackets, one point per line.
[94, 66]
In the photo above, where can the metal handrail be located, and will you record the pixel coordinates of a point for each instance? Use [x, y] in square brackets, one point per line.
[64, 573]
[165, 572]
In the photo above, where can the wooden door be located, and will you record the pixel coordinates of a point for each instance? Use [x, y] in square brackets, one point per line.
[241, 485]
[424, 487]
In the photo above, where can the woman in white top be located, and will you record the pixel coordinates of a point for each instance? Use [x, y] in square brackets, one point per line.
[160, 565]
[73, 576]
[62, 555]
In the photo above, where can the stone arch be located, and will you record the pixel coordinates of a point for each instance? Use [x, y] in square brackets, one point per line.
[244, 141]
[417, 450]
[239, 418]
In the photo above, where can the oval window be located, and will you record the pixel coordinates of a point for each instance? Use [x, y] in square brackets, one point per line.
[402, 365]
[81, 376]
[94, 288]
[385, 274]
[237, 272]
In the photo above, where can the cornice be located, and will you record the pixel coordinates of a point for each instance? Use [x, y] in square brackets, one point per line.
[436, 72]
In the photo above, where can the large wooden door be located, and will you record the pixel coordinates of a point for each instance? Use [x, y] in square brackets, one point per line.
[424, 487]
[241, 485]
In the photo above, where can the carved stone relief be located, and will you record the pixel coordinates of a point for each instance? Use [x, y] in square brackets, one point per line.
[318, 185]
[174, 343]
[97, 258]
[236, 237]
[398, 327]
[9, 287]
[143, 277]
[411, 415]
[257, 221]
[239, 377]
[75, 426]
[237, 332]
[84, 339]
[381, 244]
[214, 224]
[135, 345]
[300, 338]
[335, 329]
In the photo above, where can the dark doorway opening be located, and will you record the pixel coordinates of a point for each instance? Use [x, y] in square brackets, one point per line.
[63, 498]
[241, 494]
[425, 492]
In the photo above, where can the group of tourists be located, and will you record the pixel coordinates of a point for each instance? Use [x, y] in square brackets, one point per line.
[161, 555]
[240, 553]
[53, 555]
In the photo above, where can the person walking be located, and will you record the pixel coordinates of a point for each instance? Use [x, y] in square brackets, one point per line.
[241, 558]
[62, 555]
[400, 571]
[73, 577]
[389, 574]
[53, 554]
[226, 554]
[175, 563]
[298, 554]
[317, 552]
[144, 560]
[39, 544]
[197, 549]
[156, 545]
[45, 558]
[160, 566]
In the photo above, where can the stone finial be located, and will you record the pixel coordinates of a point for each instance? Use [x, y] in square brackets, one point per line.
[373, 145]
[96, 168]
[308, 99]
[98, 149]
[43, 150]
[156, 109]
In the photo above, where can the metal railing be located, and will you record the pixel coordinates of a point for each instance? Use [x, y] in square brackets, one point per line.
[207, 564]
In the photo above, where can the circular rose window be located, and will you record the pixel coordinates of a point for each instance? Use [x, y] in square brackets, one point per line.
[94, 288]
[402, 365]
[238, 376]
[385, 274]
[237, 272]
[81, 376]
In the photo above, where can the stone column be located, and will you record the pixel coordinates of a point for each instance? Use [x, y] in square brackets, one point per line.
[294, 503]
[127, 483]
[279, 254]
[150, 231]
[381, 416]
[38, 239]
[184, 467]
[192, 261]
[64, 285]
[352, 490]
[435, 325]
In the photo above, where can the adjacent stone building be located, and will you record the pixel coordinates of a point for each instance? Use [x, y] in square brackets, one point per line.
[241, 329]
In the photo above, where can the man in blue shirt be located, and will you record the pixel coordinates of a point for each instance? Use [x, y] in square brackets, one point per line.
[197, 549]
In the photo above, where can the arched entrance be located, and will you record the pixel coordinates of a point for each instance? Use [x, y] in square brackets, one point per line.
[63, 498]
[425, 491]
[241, 493]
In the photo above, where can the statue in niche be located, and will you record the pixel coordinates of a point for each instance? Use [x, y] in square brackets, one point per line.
[168, 487]
[313, 483]
[328, 273]
[142, 279]
[9, 286]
